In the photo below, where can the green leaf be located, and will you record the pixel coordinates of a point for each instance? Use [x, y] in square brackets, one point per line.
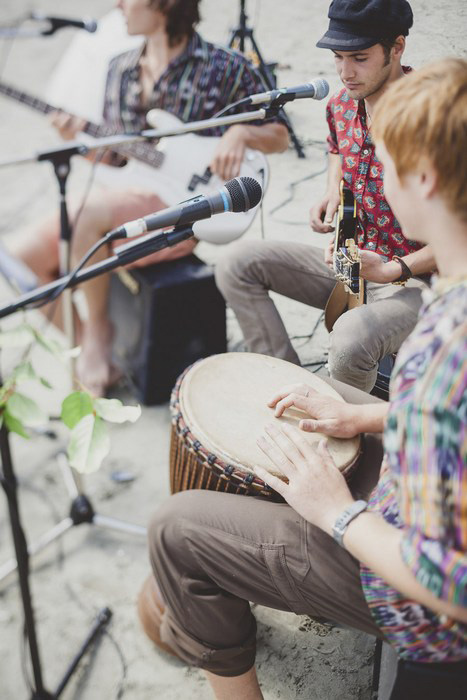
[74, 407]
[114, 411]
[14, 425]
[23, 372]
[16, 337]
[25, 410]
[89, 444]
[45, 383]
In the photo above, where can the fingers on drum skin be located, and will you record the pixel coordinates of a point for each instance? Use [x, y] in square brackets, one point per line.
[289, 389]
[274, 452]
[324, 453]
[291, 444]
[273, 481]
[305, 450]
[299, 401]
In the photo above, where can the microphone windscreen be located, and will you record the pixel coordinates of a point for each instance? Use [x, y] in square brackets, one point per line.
[245, 192]
[321, 88]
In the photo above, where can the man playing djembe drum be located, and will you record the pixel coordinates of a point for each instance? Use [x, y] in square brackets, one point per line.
[395, 566]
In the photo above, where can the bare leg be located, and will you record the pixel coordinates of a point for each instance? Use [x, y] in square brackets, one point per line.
[244, 687]
[39, 251]
[93, 366]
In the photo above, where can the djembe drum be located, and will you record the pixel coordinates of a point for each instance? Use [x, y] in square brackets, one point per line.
[219, 409]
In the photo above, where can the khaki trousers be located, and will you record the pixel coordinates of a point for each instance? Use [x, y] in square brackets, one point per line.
[360, 338]
[212, 553]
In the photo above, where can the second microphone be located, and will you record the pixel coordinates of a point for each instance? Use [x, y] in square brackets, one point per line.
[239, 194]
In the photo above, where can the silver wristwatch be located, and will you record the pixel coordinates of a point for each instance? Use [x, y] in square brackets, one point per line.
[342, 522]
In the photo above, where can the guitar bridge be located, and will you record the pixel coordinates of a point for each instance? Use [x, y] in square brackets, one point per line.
[200, 179]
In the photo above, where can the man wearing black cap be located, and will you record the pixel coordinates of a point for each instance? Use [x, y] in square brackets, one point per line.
[367, 38]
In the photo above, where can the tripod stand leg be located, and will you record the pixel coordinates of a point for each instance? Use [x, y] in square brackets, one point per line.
[120, 525]
[11, 565]
[101, 621]
[271, 84]
[240, 34]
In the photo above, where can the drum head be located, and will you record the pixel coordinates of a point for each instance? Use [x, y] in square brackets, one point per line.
[223, 400]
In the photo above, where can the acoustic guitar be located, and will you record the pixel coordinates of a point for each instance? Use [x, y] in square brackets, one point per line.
[350, 289]
[176, 168]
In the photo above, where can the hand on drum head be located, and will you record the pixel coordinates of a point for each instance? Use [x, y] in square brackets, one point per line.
[316, 488]
[327, 415]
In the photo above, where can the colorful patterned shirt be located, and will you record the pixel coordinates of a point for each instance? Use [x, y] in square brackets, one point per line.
[201, 81]
[423, 485]
[349, 137]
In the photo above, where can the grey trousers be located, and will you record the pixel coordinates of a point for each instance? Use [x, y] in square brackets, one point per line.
[212, 553]
[360, 338]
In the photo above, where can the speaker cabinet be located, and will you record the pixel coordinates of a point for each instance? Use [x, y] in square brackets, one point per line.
[166, 316]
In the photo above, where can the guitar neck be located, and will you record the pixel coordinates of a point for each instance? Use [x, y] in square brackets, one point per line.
[143, 151]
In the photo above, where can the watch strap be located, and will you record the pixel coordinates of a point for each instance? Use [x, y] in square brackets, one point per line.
[346, 517]
[406, 272]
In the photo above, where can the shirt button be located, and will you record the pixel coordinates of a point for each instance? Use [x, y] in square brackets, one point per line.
[366, 152]
[359, 186]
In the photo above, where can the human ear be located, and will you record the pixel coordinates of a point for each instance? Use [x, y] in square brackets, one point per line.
[399, 46]
[428, 178]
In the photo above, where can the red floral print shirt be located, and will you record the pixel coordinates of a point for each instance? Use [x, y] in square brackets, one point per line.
[350, 137]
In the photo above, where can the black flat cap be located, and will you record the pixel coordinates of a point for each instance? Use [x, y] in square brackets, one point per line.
[358, 24]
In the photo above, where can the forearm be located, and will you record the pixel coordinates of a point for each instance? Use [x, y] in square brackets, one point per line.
[370, 418]
[268, 138]
[419, 262]
[376, 543]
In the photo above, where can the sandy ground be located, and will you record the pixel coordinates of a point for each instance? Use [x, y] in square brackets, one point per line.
[91, 567]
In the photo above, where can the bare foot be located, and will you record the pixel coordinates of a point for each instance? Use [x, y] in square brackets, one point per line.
[93, 367]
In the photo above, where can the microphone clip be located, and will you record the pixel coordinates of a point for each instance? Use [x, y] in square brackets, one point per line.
[151, 243]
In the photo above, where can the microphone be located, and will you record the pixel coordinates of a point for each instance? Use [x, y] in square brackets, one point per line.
[317, 90]
[239, 194]
[87, 23]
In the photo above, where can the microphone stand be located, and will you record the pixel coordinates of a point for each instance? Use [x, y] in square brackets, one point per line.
[51, 25]
[79, 148]
[237, 37]
[124, 254]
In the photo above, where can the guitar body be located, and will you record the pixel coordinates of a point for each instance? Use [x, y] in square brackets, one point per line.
[176, 168]
[182, 175]
[350, 290]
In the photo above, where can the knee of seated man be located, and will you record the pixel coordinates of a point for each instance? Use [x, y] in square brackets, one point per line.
[165, 531]
[234, 265]
[350, 344]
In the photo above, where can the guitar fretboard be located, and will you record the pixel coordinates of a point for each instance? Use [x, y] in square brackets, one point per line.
[143, 150]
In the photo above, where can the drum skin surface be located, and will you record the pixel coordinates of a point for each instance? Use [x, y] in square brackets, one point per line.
[220, 406]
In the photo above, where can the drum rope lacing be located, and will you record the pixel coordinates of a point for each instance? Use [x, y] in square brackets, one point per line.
[223, 470]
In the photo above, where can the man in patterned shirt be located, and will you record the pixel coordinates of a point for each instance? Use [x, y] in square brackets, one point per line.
[368, 41]
[176, 70]
[396, 565]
